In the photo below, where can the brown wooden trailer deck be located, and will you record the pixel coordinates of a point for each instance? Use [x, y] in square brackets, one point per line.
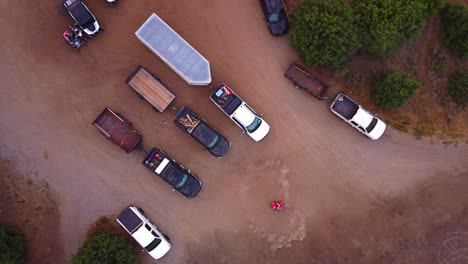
[150, 88]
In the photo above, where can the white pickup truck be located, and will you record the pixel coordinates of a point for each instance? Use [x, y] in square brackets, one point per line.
[144, 232]
[239, 112]
[357, 117]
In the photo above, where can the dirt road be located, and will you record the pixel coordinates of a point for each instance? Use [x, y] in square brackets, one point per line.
[348, 197]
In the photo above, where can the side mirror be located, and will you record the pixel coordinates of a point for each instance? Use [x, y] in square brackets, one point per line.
[173, 190]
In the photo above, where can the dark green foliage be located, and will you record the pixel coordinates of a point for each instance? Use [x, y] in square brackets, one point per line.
[385, 25]
[454, 33]
[458, 88]
[394, 89]
[324, 32]
[12, 246]
[104, 249]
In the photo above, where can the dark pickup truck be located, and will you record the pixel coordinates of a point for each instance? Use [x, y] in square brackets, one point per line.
[158, 162]
[118, 130]
[197, 128]
[304, 78]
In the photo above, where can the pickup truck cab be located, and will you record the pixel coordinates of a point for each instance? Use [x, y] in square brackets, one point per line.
[239, 112]
[198, 129]
[358, 117]
[181, 179]
[118, 130]
[133, 220]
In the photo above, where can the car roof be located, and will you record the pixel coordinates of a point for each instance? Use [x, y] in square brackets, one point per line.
[244, 115]
[143, 236]
[362, 117]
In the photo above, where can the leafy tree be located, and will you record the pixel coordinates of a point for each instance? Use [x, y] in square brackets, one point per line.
[324, 32]
[458, 88]
[394, 89]
[385, 25]
[104, 249]
[454, 33]
[12, 246]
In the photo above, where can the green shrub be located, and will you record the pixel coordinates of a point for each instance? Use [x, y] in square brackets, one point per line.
[458, 88]
[324, 32]
[394, 89]
[454, 34]
[385, 25]
[12, 246]
[104, 249]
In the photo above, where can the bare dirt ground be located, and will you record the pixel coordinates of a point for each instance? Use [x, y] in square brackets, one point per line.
[27, 205]
[349, 199]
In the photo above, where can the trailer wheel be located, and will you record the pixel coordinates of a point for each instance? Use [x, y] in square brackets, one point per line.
[155, 109]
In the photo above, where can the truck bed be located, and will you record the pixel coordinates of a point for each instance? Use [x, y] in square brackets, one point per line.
[344, 106]
[226, 99]
[129, 220]
[117, 130]
[150, 88]
[187, 120]
[305, 79]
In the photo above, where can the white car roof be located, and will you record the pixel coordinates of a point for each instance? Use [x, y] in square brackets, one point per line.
[143, 236]
[244, 115]
[362, 117]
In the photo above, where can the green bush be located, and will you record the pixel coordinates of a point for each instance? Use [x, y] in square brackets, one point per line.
[394, 89]
[12, 246]
[324, 32]
[458, 88]
[104, 249]
[385, 25]
[454, 34]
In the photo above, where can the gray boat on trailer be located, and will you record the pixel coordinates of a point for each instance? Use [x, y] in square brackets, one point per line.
[177, 53]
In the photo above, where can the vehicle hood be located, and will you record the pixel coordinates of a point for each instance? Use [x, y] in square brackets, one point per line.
[378, 130]
[221, 148]
[191, 188]
[362, 117]
[161, 249]
[279, 27]
[261, 132]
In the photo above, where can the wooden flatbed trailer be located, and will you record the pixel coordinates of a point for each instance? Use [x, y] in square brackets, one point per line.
[149, 87]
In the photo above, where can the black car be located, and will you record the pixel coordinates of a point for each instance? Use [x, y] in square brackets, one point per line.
[197, 128]
[158, 162]
[276, 17]
[82, 16]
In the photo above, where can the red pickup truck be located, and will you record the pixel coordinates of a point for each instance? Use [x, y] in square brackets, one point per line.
[118, 130]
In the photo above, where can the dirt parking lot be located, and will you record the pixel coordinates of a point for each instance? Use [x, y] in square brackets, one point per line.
[350, 200]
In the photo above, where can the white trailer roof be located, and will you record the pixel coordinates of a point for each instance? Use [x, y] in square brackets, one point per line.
[174, 51]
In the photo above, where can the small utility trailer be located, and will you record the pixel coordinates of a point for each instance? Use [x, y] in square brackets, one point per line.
[149, 88]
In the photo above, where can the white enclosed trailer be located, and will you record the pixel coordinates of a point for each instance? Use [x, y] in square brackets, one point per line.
[177, 53]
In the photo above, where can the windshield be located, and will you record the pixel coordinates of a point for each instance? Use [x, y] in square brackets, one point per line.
[153, 244]
[273, 17]
[254, 126]
[372, 125]
[213, 142]
[182, 181]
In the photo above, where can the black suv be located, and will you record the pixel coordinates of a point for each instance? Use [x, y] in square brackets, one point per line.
[158, 162]
[276, 17]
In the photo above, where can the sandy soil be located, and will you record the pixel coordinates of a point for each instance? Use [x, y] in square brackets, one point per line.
[27, 204]
[349, 199]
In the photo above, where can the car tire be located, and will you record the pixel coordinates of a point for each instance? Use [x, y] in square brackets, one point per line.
[167, 237]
